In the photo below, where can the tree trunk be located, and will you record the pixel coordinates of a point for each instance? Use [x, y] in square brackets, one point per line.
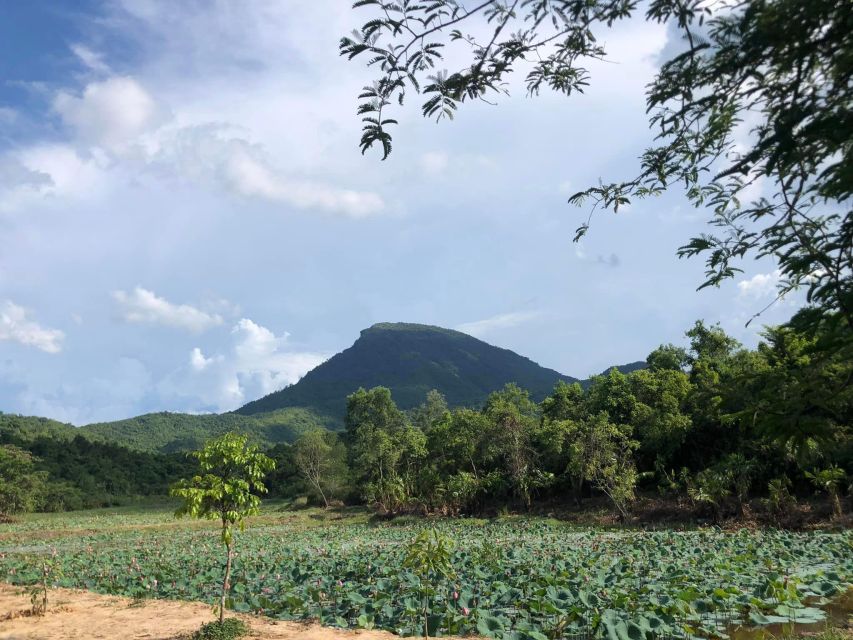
[426, 616]
[323, 495]
[836, 504]
[226, 583]
[577, 490]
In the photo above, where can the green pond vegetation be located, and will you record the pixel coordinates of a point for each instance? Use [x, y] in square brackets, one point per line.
[511, 577]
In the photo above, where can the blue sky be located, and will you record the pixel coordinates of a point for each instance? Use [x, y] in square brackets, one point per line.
[187, 222]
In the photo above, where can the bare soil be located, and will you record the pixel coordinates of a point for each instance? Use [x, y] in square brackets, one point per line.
[75, 615]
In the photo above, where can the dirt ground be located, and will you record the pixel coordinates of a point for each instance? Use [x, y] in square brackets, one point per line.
[75, 615]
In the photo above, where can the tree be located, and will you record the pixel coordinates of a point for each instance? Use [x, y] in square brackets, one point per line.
[780, 64]
[321, 459]
[800, 396]
[601, 454]
[21, 484]
[234, 474]
[384, 447]
[658, 417]
[433, 410]
[513, 419]
[429, 557]
[667, 357]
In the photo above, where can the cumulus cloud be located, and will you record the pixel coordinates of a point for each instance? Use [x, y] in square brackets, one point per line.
[480, 328]
[122, 124]
[199, 362]
[111, 114]
[142, 306]
[257, 363]
[761, 285]
[17, 326]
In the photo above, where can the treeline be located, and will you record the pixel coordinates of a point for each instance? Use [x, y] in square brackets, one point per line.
[712, 422]
[50, 474]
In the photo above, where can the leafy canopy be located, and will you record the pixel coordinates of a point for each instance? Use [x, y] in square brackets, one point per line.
[233, 473]
[781, 67]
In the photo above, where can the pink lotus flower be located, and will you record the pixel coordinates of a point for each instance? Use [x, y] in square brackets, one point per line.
[465, 611]
[456, 595]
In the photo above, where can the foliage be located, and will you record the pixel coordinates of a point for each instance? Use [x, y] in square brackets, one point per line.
[233, 476]
[321, 458]
[171, 432]
[21, 484]
[83, 474]
[601, 455]
[829, 480]
[779, 498]
[428, 557]
[50, 573]
[228, 629]
[779, 67]
[513, 578]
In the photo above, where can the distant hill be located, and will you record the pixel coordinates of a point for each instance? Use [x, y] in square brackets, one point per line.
[169, 432]
[411, 359]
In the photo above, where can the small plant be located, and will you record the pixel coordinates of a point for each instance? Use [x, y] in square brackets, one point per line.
[49, 573]
[779, 498]
[233, 476]
[829, 480]
[228, 629]
[428, 557]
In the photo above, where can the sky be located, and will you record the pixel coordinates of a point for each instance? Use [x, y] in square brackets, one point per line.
[188, 224]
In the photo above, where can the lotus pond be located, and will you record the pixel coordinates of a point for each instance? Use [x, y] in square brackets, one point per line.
[515, 578]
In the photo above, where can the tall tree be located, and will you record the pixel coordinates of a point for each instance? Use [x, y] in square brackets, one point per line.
[513, 419]
[384, 447]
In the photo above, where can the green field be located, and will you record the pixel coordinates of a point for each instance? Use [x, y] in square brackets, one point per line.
[516, 577]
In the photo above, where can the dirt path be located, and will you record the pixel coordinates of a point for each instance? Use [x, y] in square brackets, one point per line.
[75, 615]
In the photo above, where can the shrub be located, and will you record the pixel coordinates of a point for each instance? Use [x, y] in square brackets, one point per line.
[228, 629]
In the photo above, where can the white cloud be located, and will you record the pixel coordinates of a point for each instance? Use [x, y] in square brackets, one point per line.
[198, 362]
[111, 114]
[122, 125]
[90, 58]
[145, 307]
[761, 285]
[16, 176]
[259, 362]
[502, 321]
[16, 325]
[250, 176]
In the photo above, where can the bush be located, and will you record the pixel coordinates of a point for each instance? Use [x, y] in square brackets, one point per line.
[228, 629]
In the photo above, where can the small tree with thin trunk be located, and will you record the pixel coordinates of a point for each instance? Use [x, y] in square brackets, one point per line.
[233, 473]
[312, 456]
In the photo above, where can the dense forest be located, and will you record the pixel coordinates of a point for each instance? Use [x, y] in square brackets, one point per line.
[711, 422]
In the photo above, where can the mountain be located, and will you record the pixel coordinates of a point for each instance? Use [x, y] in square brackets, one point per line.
[411, 359]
